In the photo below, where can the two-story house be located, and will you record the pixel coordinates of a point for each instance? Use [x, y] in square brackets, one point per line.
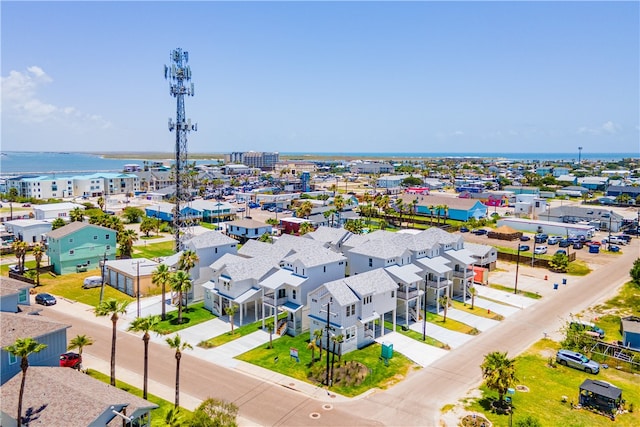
[356, 307]
[14, 296]
[80, 245]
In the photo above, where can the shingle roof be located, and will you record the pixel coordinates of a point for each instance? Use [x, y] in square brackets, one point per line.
[330, 235]
[210, 239]
[314, 257]
[247, 223]
[14, 326]
[9, 286]
[341, 293]
[379, 248]
[252, 268]
[375, 281]
[63, 397]
[72, 228]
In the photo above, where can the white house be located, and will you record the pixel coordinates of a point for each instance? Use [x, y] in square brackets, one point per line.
[29, 230]
[52, 211]
[354, 304]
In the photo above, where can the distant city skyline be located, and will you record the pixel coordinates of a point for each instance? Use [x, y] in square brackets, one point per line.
[375, 77]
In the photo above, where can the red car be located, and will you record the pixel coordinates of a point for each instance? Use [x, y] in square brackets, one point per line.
[71, 360]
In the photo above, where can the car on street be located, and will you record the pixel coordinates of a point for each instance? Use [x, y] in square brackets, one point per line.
[479, 232]
[564, 243]
[539, 250]
[578, 245]
[524, 238]
[45, 299]
[577, 361]
[614, 248]
[524, 248]
[240, 210]
[541, 238]
[464, 230]
[71, 360]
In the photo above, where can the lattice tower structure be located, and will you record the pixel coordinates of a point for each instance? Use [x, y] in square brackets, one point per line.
[179, 75]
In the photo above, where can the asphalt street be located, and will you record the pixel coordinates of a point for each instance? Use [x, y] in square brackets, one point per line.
[415, 401]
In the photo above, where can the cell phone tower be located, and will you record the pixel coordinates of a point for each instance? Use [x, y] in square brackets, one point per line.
[179, 76]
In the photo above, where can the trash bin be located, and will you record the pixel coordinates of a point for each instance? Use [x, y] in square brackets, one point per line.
[564, 281]
[555, 286]
[387, 350]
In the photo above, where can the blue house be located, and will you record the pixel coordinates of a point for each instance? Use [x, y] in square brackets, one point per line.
[41, 329]
[13, 294]
[80, 246]
[164, 211]
[450, 207]
[246, 229]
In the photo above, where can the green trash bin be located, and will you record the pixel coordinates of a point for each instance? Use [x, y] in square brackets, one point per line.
[387, 350]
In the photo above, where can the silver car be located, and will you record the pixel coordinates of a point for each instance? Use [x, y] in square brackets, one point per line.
[577, 361]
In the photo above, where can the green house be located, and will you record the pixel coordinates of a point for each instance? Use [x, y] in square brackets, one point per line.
[79, 246]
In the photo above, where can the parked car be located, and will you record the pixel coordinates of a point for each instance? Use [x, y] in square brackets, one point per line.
[539, 250]
[614, 248]
[578, 245]
[581, 325]
[564, 243]
[561, 251]
[554, 240]
[14, 269]
[240, 209]
[71, 360]
[92, 282]
[464, 230]
[254, 205]
[541, 238]
[479, 231]
[524, 238]
[45, 299]
[524, 248]
[577, 361]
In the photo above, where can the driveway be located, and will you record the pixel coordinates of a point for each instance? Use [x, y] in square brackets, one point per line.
[420, 353]
[446, 336]
[478, 322]
[505, 297]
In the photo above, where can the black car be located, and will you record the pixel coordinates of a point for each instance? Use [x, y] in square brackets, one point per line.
[524, 238]
[578, 245]
[464, 230]
[45, 299]
[524, 248]
[479, 231]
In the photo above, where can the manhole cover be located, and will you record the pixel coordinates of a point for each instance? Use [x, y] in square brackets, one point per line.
[333, 396]
[327, 406]
[314, 415]
[292, 385]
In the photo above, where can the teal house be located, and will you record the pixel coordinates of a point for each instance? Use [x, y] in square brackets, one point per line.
[80, 246]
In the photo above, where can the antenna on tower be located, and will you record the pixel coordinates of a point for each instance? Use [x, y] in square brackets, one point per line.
[179, 74]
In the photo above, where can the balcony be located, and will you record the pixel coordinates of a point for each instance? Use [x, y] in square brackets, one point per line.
[408, 294]
[465, 274]
[274, 302]
[438, 284]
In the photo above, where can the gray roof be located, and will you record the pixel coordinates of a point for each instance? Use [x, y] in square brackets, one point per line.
[72, 228]
[631, 324]
[297, 243]
[10, 286]
[441, 236]
[579, 211]
[131, 267]
[210, 239]
[375, 281]
[14, 326]
[329, 235]
[225, 260]
[254, 248]
[251, 268]
[63, 396]
[314, 257]
[247, 223]
[477, 249]
[341, 293]
[379, 248]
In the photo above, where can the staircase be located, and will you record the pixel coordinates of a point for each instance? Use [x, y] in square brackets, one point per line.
[282, 327]
[415, 316]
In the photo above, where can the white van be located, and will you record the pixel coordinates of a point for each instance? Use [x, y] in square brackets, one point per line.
[92, 282]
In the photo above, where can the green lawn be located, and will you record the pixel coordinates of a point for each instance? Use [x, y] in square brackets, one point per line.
[157, 415]
[477, 311]
[416, 335]
[237, 333]
[377, 374]
[191, 316]
[547, 385]
[626, 302]
[154, 250]
[578, 268]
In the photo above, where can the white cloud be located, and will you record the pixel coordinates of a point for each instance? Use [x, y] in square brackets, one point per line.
[608, 127]
[21, 102]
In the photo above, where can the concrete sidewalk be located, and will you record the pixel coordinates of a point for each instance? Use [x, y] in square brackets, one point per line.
[478, 322]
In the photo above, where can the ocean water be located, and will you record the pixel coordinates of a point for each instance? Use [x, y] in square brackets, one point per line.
[25, 162]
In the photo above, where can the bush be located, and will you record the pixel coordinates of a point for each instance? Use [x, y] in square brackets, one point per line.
[528, 421]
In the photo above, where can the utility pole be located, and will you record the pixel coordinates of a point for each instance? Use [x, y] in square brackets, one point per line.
[328, 328]
[104, 262]
[424, 306]
[515, 289]
[138, 284]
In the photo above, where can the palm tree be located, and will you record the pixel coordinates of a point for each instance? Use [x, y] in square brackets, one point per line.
[444, 302]
[317, 335]
[20, 250]
[188, 260]
[173, 418]
[312, 346]
[22, 348]
[80, 342]
[400, 209]
[177, 344]
[101, 203]
[57, 223]
[473, 292]
[304, 210]
[145, 324]
[305, 228]
[126, 239]
[76, 215]
[38, 252]
[339, 203]
[499, 372]
[112, 307]
[270, 327]
[162, 276]
[231, 311]
[180, 283]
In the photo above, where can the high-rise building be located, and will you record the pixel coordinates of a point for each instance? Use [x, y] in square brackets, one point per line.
[255, 159]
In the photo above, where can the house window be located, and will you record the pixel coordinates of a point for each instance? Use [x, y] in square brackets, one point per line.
[370, 262]
[108, 247]
[23, 296]
[106, 236]
[393, 294]
[95, 237]
[13, 359]
[71, 252]
[293, 294]
[71, 240]
[367, 300]
[282, 293]
[350, 333]
[351, 310]
[325, 269]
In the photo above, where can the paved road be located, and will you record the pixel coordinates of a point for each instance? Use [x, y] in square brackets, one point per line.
[415, 401]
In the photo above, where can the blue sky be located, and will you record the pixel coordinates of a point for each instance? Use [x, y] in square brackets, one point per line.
[324, 76]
